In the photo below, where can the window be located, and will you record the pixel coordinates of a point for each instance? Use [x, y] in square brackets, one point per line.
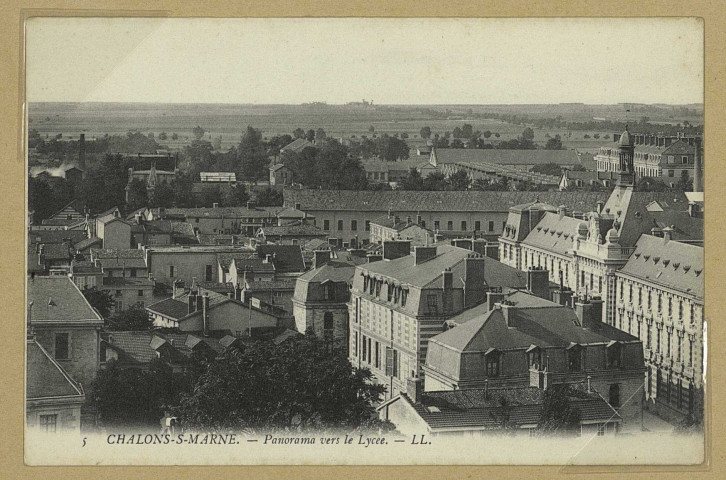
[601, 429]
[140, 293]
[327, 292]
[196, 220]
[423, 223]
[491, 226]
[171, 271]
[132, 272]
[340, 224]
[118, 306]
[355, 344]
[118, 293]
[62, 346]
[630, 293]
[680, 310]
[433, 303]
[534, 358]
[437, 225]
[48, 423]
[671, 173]
[684, 160]
[450, 225]
[690, 352]
[648, 340]
[328, 326]
[368, 225]
[671, 159]
[660, 303]
[492, 364]
[378, 355]
[615, 355]
[657, 339]
[668, 343]
[354, 225]
[326, 224]
[679, 349]
[208, 273]
[463, 225]
[532, 431]
[477, 226]
[391, 362]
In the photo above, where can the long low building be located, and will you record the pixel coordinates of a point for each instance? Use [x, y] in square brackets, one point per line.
[347, 215]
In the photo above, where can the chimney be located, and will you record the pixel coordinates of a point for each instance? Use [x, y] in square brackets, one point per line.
[321, 258]
[538, 282]
[447, 286]
[600, 204]
[562, 210]
[418, 219]
[191, 302]
[589, 312]
[698, 166]
[393, 249]
[492, 298]
[82, 151]
[205, 314]
[667, 234]
[396, 219]
[268, 258]
[414, 389]
[199, 300]
[374, 257]
[215, 205]
[562, 296]
[474, 281]
[237, 292]
[694, 210]
[422, 254]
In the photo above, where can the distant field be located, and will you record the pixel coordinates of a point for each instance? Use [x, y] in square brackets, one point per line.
[230, 121]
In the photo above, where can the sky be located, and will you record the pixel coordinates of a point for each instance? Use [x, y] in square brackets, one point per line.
[391, 61]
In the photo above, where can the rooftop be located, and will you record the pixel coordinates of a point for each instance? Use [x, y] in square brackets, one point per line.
[671, 264]
[506, 157]
[58, 299]
[46, 378]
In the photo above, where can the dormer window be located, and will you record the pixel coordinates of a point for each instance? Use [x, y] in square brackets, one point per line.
[491, 359]
[327, 291]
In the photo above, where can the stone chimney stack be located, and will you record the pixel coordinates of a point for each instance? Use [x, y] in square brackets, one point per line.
[422, 254]
[393, 249]
[538, 282]
[321, 258]
[414, 389]
[447, 286]
[205, 314]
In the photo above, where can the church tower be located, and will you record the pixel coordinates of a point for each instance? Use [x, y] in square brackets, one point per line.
[626, 170]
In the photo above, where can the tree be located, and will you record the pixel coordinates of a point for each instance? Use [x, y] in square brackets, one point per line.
[459, 180]
[175, 136]
[425, 132]
[217, 143]
[528, 134]
[320, 134]
[130, 398]
[456, 143]
[487, 133]
[649, 184]
[162, 196]
[235, 196]
[558, 414]
[391, 148]
[198, 132]
[490, 186]
[163, 136]
[138, 196]
[435, 181]
[101, 300]
[547, 169]
[412, 181]
[298, 385]
[371, 129]
[467, 131]
[554, 143]
[252, 155]
[497, 135]
[135, 318]
[310, 135]
[298, 133]
[269, 198]
[457, 132]
[685, 183]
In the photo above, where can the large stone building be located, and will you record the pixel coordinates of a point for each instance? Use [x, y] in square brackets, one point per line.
[400, 302]
[320, 303]
[583, 251]
[346, 215]
[659, 299]
[520, 340]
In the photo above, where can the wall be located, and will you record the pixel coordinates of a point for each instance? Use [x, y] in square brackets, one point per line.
[116, 234]
[68, 420]
[230, 316]
[84, 353]
[313, 316]
[187, 265]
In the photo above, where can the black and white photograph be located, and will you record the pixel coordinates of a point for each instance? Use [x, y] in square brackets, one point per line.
[365, 241]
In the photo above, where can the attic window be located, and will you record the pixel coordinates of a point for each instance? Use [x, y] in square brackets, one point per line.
[656, 259]
[546, 230]
[636, 254]
[646, 257]
[686, 268]
[666, 262]
[539, 229]
[676, 265]
[697, 271]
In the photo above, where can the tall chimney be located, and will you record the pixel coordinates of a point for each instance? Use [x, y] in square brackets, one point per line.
[82, 152]
[414, 389]
[422, 254]
[321, 258]
[698, 167]
[191, 302]
[205, 314]
[393, 249]
[492, 298]
[447, 285]
[538, 282]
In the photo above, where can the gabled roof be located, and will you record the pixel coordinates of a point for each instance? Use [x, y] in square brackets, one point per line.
[277, 167]
[46, 378]
[55, 236]
[58, 299]
[430, 201]
[297, 145]
[506, 157]
[75, 204]
[671, 264]
[296, 229]
[87, 243]
[680, 147]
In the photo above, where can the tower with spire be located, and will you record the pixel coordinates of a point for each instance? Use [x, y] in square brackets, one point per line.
[626, 168]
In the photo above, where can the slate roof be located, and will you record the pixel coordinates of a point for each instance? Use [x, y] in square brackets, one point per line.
[141, 346]
[680, 147]
[506, 157]
[87, 243]
[278, 166]
[297, 145]
[55, 236]
[293, 230]
[429, 201]
[170, 307]
[406, 271]
[222, 212]
[671, 264]
[57, 251]
[277, 284]
[561, 241]
[46, 378]
[127, 282]
[287, 258]
[58, 299]
[58, 222]
[541, 326]
[480, 408]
